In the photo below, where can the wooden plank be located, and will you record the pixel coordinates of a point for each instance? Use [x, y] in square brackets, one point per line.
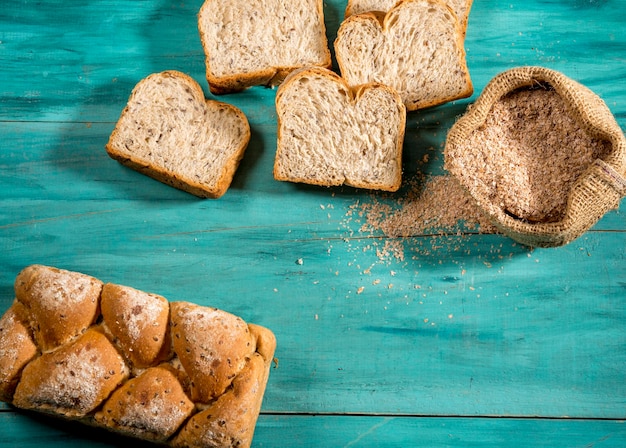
[381, 341]
[55, 50]
[470, 325]
[350, 431]
[91, 52]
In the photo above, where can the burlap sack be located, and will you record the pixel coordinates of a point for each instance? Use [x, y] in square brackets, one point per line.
[598, 190]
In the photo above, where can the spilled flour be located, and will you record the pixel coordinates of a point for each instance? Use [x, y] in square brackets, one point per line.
[440, 205]
[435, 206]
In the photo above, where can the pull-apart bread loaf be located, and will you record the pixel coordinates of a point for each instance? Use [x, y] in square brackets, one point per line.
[170, 132]
[131, 362]
[330, 134]
[260, 42]
[460, 7]
[416, 48]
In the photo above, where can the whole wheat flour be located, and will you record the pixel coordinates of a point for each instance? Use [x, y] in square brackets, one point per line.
[529, 153]
[437, 204]
[541, 154]
[432, 206]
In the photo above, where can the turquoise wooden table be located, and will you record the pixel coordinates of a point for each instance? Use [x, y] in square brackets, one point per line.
[456, 338]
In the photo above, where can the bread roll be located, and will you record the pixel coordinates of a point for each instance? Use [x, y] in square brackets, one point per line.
[151, 406]
[138, 322]
[131, 362]
[61, 304]
[17, 348]
[213, 366]
[73, 380]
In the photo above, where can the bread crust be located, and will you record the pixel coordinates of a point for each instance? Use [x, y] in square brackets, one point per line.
[138, 323]
[177, 178]
[215, 375]
[61, 304]
[73, 380]
[355, 94]
[265, 76]
[151, 406]
[17, 349]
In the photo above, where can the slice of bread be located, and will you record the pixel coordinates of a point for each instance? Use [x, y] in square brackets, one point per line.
[249, 43]
[460, 7]
[330, 134]
[170, 132]
[416, 48]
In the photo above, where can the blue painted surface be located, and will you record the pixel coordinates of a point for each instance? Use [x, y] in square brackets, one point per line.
[470, 340]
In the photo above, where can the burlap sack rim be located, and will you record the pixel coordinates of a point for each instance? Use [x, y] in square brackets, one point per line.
[597, 191]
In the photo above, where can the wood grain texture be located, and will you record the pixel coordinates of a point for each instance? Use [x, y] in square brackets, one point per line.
[381, 341]
[354, 431]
